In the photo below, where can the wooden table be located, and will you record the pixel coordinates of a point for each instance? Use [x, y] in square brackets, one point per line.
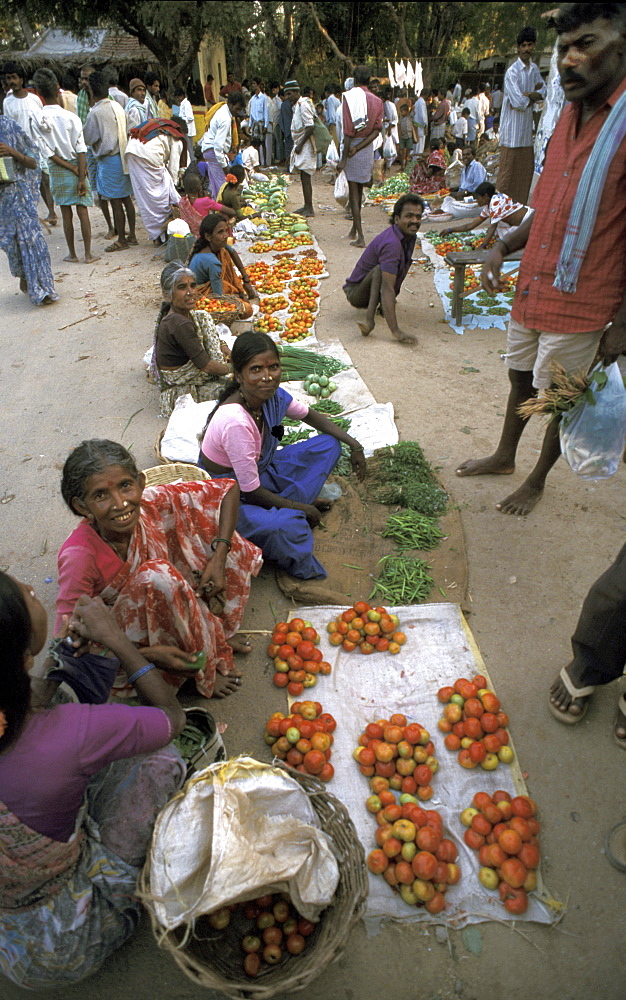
[459, 260]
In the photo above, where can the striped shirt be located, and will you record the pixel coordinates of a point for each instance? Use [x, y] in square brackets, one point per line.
[602, 280]
[516, 121]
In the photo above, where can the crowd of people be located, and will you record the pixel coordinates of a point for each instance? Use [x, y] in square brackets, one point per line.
[154, 580]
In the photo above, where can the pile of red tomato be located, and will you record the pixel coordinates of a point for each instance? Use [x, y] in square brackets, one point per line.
[474, 724]
[297, 660]
[366, 628]
[275, 930]
[401, 754]
[304, 738]
[504, 832]
[414, 857]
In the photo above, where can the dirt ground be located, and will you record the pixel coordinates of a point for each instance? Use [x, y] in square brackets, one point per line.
[73, 370]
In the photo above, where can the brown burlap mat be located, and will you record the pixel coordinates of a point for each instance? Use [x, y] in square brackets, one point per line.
[349, 546]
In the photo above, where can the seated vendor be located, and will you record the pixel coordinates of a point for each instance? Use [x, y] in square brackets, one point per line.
[230, 192]
[81, 786]
[195, 203]
[428, 176]
[188, 356]
[279, 488]
[167, 559]
[383, 266]
[251, 160]
[473, 173]
[213, 262]
[504, 214]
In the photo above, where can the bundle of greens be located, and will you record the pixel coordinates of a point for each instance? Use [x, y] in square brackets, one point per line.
[410, 530]
[401, 474]
[327, 406]
[293, 436]
[402, 580]
[297, 364]
[564, 393]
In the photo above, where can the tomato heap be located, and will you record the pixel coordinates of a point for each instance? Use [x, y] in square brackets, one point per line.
[298, 326]
[297, 661]
[269, 284]
[471, 280]
[274, 304]
[284, 269]
[448, 245]
[215, 305]
[474, 724]
[304, 738]
[400, 753]
[259, 247]
[258, 271]
[268, 324]
[291, 242]
[303, 293]
[310, 266]
[504, 832]
[273, 924]
[366, 628]
[414, 857]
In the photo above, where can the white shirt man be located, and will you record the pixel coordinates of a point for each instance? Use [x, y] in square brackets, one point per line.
[496, 98]
[420, 119]
[218, 136]
[523, 88]
[26, 111]
[186, 113]
[61, 132]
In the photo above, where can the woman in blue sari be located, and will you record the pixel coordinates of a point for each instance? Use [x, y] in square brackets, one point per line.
[279, 488]
[21, 237]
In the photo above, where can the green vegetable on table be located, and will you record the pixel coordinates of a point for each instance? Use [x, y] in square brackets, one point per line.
[402, 580]
[410, 530]
[425, 498]
[327, 406]
[298, 363]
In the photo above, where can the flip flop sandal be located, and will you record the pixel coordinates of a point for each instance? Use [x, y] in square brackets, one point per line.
[115, 247]
[576, 694]
[621, 712]
[133, 243]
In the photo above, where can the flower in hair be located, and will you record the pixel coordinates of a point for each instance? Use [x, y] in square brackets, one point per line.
[3, 723]
[232, 179]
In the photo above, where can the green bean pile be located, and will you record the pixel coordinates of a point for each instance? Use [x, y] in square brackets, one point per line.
[293, 436]
[402, 581]
[425, 498]
[328, 406]
[343, 422]
[410, 530]
[344, 465]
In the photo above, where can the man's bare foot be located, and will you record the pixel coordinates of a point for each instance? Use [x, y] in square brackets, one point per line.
[357, 243]
[110, 235]
[365, 328]
[91, 259]
[566, 704]
[225, 685]
[51, 220]
[491, 466]
[348, 216]
[308, 213]
[404, 338]
[24, 286]
[71, 259]
[239, 645]
[522, 501]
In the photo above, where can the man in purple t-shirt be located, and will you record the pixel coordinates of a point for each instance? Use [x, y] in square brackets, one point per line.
[383, 266]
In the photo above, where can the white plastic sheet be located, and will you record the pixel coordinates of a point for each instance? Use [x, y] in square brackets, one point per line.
[439, 649]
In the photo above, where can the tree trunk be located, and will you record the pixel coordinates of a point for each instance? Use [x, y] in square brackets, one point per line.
[329, 41]
[27, 32]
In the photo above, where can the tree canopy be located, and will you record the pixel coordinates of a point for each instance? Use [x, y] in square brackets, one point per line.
[280, 39]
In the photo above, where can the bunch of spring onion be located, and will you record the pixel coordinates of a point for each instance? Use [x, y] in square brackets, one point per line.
[298, 364]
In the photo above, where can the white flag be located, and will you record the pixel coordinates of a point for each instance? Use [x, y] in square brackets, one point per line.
[410, 75]
[392, 79]
[419, 79]
[400, 74]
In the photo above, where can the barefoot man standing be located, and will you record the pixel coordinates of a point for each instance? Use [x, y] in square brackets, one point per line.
[362, 122]
[570, 301]
[381, 269]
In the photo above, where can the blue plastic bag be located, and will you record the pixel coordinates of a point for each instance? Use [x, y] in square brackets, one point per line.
[593, 432]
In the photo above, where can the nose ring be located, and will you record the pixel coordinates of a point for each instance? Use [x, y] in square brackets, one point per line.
[125, 504]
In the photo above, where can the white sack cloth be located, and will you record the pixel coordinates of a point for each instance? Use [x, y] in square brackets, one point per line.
[239, 830]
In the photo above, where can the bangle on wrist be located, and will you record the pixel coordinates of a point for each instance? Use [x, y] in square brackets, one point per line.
[226, 542]
[139, 673]
[360, 448]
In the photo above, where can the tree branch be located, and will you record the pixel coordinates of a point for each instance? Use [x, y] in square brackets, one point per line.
[399, 19]
[329, 41]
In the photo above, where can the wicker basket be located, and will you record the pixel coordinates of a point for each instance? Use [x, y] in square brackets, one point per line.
[162, 475]
[214, 964]
[230, 316]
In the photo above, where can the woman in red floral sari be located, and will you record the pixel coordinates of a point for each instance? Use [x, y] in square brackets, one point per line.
[167, 559]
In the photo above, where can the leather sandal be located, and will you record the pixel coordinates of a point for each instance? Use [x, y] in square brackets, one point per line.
[620, 722]
[577, 694]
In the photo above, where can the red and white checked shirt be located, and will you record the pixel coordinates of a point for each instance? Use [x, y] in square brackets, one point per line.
[602, 280]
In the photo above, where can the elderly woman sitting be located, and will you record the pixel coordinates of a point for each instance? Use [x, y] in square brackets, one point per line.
[167, 559]
[188, 356]
[213, 261]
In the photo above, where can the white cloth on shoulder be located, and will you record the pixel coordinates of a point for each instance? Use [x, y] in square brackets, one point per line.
[356, 100]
